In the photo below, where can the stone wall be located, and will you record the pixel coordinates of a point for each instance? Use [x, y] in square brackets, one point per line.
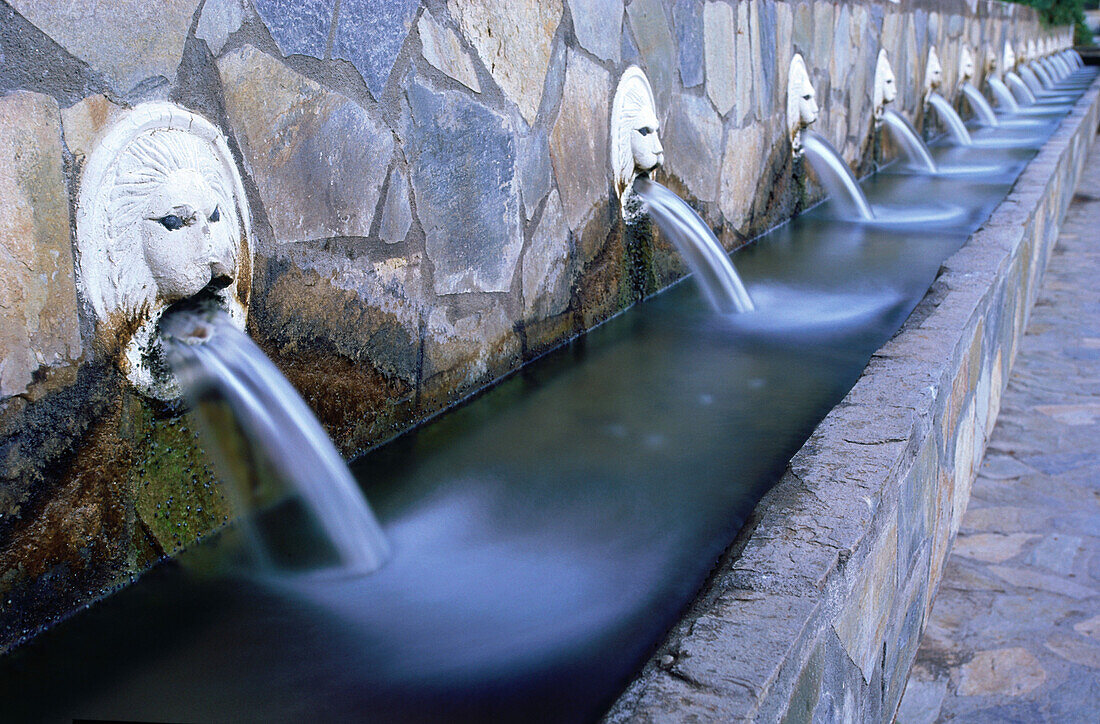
[433, 207]
[817, 610]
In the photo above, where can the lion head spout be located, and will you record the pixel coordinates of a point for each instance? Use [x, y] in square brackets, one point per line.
[161, 218]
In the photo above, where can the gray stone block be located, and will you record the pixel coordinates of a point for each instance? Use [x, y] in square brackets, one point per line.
[597, 25]
[396, 212]
[114, 38]
[370, 33]
[462, 157]
[318, 159]
[687, 16]
[299, 27]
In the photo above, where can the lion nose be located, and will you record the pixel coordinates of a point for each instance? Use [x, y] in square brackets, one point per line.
[221, 274]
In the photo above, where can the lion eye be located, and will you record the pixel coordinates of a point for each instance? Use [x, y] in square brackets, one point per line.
[806, 97]
[216, 216]
[171, 222]
[645, 131]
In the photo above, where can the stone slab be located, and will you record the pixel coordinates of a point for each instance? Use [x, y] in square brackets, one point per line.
[318, 159]
[513, 39]
[39, 325]
[469, 210]
[114, 38]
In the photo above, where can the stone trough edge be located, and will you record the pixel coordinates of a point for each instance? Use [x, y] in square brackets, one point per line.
[817, 608]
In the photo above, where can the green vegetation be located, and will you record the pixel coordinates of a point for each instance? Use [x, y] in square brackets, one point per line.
[1064, 12]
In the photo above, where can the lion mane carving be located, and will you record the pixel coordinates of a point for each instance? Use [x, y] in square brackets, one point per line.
[161, 217]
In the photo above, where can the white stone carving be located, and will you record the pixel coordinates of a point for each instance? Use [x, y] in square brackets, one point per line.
[635, 143]
[989, 58]
[802, 107]
[1009, 62]
[886, 86]
[161, 216]
[933, 71]
[1030, 52]
[966, 64]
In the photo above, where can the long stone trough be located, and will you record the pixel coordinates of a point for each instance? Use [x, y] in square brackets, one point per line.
[817, 609]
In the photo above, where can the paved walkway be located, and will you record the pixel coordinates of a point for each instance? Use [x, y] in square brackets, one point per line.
[1015, 630]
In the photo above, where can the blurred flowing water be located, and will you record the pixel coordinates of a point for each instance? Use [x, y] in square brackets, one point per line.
[1019, 88]
[545, 535]
[1004, 96]
[840, 185]
[216, 362]
[913, 149]
[956, 129]
[980, 105]
[709, 263]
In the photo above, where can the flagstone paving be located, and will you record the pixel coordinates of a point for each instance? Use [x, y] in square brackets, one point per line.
[1014, 633]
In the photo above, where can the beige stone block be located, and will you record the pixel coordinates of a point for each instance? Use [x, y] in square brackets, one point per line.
[578, 141]
[741, 173]
[992, 547]
[1001, 672]
[964, 467]
[85, 121]
[1075, 649]
[318, 159]
[39, 325]
[443, 50]
[127, 41]
[513, 38]
[861, 624]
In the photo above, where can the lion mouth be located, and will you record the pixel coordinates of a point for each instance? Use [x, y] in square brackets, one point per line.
[187, 320]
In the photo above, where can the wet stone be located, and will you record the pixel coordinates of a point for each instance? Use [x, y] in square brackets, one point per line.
[370, 33]
[299, 27]
[113, 37]
[687, 16]
[597, 24]
[443, 51]
[470, 211]
[513, 38]
[39, 325]
[318, 159]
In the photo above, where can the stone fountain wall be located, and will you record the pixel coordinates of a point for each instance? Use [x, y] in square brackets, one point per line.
[433, 207]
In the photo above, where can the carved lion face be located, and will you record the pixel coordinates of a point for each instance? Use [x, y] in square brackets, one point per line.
[161, 217]
[966, 64]
[802, 109]
[645, 144]
[886, 87]
[187, 242]
[635, 141]
[933, 71]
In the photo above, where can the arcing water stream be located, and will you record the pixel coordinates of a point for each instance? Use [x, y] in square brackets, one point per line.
[211, 358]
[709, 263]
